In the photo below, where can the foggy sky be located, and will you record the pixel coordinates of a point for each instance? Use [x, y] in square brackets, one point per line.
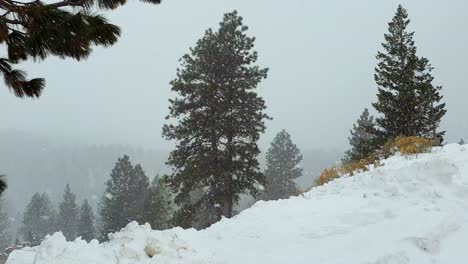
[321, 56]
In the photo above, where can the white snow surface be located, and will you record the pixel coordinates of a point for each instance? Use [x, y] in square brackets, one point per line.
[411, 210]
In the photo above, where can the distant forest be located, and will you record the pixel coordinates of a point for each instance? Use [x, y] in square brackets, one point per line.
[38, 164]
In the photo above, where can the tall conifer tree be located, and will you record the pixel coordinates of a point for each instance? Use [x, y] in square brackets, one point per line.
[39, 219]
[86, 225]
[3, 184]
[363, 140]
[408, 102]
[282, 160]
[219, 120]
[123, 200]
[67, 220]
[158, 206]
[5, 236]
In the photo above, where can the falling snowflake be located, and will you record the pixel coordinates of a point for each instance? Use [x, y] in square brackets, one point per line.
[109, 196]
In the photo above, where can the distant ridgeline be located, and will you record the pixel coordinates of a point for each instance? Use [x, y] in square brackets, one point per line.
[33, 164]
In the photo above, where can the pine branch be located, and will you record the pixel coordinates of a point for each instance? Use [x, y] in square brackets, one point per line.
[35, 30]
[13, 21]
[3, 184]
[67, 3]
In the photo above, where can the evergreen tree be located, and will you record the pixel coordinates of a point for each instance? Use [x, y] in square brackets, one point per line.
[158, 205]
[3, 184]
[135, 196]
[68, 215]
[196, 213]
[38, 219]
[123, 200]
[461, 142]
[282, 160]
[220, 119]
[34, 30]
[363, 138]
[408, 101]
[86, 225]
[5, 236]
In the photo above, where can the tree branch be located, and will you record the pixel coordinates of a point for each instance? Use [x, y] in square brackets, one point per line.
[66, 3]
[13, 21]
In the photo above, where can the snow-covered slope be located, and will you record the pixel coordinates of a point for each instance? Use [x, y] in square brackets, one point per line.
[412, 210]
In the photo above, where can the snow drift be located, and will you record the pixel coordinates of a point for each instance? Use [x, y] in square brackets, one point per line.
[411, 210]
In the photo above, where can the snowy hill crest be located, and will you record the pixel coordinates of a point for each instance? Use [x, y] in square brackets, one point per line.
[411, 210]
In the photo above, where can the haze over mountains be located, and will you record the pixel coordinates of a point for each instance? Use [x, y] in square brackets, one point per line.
[35, 163]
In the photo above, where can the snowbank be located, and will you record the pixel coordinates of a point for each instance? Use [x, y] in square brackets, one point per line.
[412, 210]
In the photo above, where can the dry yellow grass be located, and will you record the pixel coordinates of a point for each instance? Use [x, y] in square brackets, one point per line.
[407, 146]
[328, 175]
[403, 145]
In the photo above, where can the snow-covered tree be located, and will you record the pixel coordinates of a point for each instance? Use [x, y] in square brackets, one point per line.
[282, 160]
[123, 200]
[38, 219]
[363, 138]
[408, 102]
[218, 118]
[67, 220]
[86, 225]
[5, 236]
[158, 205]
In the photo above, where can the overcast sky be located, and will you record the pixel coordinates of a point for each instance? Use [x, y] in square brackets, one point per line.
[321, 56]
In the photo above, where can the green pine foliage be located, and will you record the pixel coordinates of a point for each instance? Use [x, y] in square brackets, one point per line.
[282, 160]
[35, 30]
[217, 119]
[3, 184]
[5, 236]
[67, 220]
[363, 140]
[197, 213]
[408, 102]
[158, 205]
[123, 200]
[86, 224]
[39, 219]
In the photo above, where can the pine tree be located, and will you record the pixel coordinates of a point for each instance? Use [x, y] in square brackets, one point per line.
[282, 160]
[158, 205]
[363, 140]
[3, 184]
[220, 119]
[39, 219]
[409, 103]
[35, 30]
[68, 215]
[461, 142]
[196, 213]
[124, 197]
[135, 196]
[5, 236]
[86, 225]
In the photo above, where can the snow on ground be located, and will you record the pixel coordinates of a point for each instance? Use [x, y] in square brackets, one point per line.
[411, 210]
